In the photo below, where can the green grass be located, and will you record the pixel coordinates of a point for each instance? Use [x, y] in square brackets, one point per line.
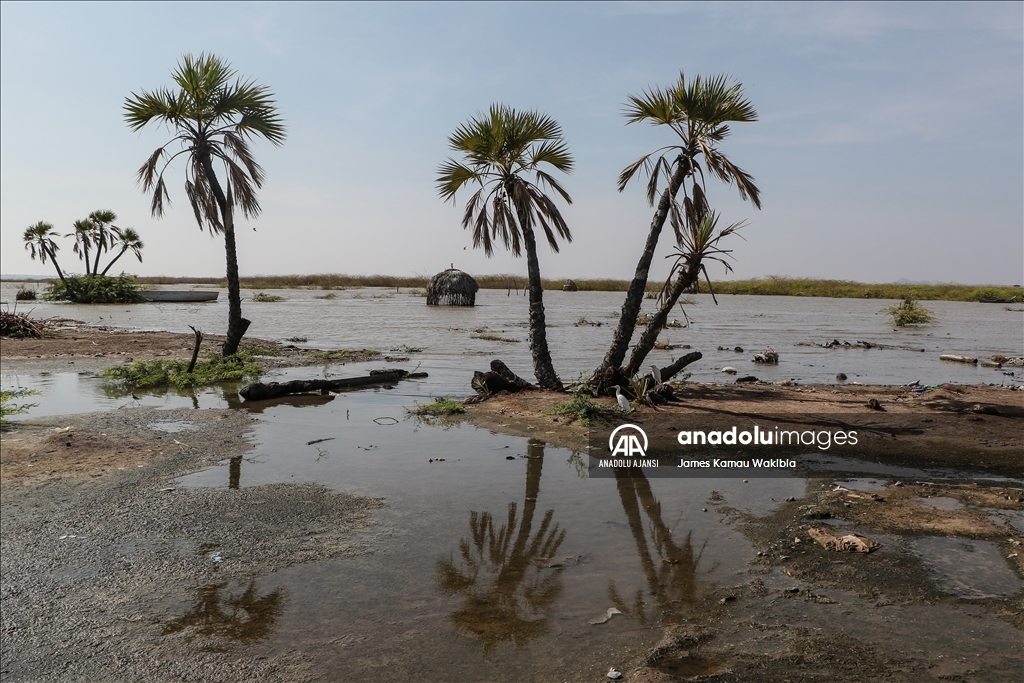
[9, 408]
[582, 406]
[909, 312]
[342, 354]
[150, 374]
[439, 407]
[774, 285]
[846, 289]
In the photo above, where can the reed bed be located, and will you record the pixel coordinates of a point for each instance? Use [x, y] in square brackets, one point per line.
[774, 286]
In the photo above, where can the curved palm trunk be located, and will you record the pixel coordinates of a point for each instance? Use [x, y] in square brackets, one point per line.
[643, 347]
[634, 296]
[542, 367]
[237, 325]
[114, 260]
[53, 258]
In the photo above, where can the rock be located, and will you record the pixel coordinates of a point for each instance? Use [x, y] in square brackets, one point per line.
[874, 404]
[747, 379]
[729, 370]
[841, 377]
[614, 674]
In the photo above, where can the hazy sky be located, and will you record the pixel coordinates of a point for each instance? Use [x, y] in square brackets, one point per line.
[890, 142]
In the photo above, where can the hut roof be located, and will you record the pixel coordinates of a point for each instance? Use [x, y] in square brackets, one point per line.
[452, 287]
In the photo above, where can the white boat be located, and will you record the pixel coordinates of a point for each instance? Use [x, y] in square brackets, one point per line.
[179, 295]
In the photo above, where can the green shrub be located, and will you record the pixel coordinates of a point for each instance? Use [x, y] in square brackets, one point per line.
[440, 406]
[8, 408]
[266, 298]
[582, 406]
[909, 312]
[25, 294]
[144, 374]
[95, 289]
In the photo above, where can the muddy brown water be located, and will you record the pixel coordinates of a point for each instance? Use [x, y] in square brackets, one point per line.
[496, 552]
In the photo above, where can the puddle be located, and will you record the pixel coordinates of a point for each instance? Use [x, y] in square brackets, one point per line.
[940, 503]
[968, 568]
[230, 611]
[689, 667]
[864, 484]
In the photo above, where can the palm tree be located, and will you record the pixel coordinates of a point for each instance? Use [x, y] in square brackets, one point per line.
[498, 149]
[129, 241]
[215, 116]
[95, 232]
[39, 241]
[698, 243]
[699, 112]
[83, 234]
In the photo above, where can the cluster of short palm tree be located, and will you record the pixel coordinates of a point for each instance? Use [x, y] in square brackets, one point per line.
[94, 236]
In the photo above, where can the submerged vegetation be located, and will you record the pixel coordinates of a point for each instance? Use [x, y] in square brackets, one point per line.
[446, 405]
[9, 408]
[260, 297]
[148, 374]
[909, 312]
[95, 289]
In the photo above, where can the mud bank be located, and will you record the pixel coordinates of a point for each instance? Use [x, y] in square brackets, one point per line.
[111, 572]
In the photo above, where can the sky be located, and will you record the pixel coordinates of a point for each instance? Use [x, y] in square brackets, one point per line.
[889, 145]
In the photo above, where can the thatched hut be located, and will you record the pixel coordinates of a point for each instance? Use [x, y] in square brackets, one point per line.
[452, 288]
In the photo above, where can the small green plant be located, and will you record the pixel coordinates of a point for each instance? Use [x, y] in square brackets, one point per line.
[95, 289]
[909, 312]
[8, 408]
[438, 407]
[582, 406]
[146, 374]
[266, 298]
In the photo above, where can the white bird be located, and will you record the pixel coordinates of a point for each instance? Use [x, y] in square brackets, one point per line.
[623, 401]
[657, 374]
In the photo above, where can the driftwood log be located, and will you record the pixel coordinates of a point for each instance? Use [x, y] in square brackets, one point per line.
[261, 392]
[500, 378]
[613, 376]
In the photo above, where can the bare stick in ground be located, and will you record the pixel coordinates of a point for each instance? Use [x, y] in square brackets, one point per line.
[195, 349]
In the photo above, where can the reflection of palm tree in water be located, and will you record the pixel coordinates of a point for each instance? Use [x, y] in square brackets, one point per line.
[511, 606]
[672, 579]
[245, 617]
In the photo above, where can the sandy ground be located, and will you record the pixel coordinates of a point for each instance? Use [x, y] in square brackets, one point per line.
[107, 569]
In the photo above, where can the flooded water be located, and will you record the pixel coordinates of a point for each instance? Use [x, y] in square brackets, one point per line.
[387, 319]
[497, 553]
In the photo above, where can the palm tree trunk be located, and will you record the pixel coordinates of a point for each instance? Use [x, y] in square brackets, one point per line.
[96, 263]
[542, 367]
[53, 259]
[643, 347]
[634, 296]
[237, 325]
[114, 260]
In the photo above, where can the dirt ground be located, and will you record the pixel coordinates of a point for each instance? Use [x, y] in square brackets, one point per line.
[106, 346]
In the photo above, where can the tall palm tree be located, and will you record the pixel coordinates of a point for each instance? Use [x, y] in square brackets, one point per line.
[215, 116]
[500, 148]
[40, 243]
[699, 111]
[129, 240]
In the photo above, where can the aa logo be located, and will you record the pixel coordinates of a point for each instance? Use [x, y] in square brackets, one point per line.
[625, 441]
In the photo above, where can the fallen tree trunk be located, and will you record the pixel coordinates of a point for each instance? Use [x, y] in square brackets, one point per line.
[672, 370]
[259, 391]
[500, 378]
